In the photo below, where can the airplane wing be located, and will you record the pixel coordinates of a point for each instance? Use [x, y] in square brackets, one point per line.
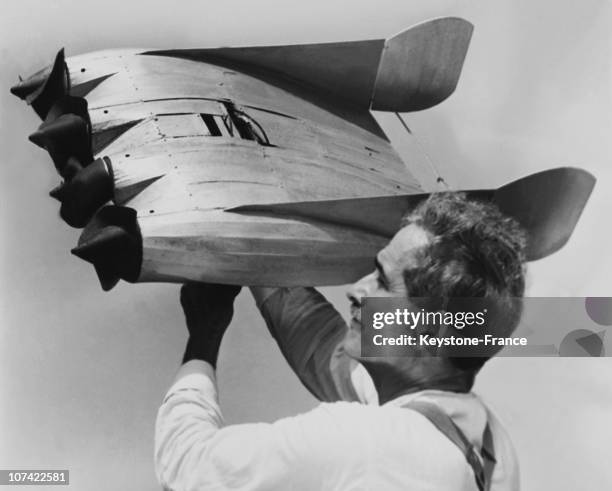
[257, 165]
[312, 100]
[139, 129]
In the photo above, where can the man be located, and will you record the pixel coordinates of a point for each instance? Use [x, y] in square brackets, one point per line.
[420, 427]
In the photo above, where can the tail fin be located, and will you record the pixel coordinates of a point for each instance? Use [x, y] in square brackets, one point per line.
[420, 67]
[547, 204]
[414, 70]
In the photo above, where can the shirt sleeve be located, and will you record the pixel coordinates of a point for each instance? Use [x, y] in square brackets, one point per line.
[193, 450]
[309, 331]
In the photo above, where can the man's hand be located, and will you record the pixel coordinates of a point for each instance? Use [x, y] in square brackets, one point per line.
[208, 311]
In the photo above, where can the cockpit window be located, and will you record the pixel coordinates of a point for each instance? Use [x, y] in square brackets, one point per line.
[228, 121]
[211, 124]
[243, 124]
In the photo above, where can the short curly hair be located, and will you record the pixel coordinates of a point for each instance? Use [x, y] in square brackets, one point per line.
[474, 251]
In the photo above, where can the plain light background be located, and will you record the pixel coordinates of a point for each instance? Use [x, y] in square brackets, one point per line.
[82, 372]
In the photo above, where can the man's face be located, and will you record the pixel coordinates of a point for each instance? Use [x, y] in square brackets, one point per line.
[387, 279]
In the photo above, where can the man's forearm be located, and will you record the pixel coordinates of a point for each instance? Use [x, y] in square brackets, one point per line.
[308, 330]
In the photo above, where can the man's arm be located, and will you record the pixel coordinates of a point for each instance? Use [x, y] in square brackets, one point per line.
[193, 451]
[309, 331]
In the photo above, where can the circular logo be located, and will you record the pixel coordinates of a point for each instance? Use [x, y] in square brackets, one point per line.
[599, 310]
[582, 342]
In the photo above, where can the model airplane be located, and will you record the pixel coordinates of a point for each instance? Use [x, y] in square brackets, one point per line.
[261, 165]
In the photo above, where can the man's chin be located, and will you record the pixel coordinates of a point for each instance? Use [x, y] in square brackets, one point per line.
[352, 345]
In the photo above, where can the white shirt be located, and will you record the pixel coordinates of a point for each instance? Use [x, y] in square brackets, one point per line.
[355, 445]
[336, 446]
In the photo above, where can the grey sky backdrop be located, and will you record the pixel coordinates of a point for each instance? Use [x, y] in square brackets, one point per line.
[82, 372]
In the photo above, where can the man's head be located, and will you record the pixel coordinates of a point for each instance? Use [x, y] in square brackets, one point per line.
[448, 247]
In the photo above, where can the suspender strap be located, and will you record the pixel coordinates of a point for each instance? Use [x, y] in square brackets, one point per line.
[483, 472]
[488, 456]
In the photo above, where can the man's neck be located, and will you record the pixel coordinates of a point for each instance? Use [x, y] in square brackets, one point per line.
[391, 382]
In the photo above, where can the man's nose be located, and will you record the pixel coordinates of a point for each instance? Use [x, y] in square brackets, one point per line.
[359, 289]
